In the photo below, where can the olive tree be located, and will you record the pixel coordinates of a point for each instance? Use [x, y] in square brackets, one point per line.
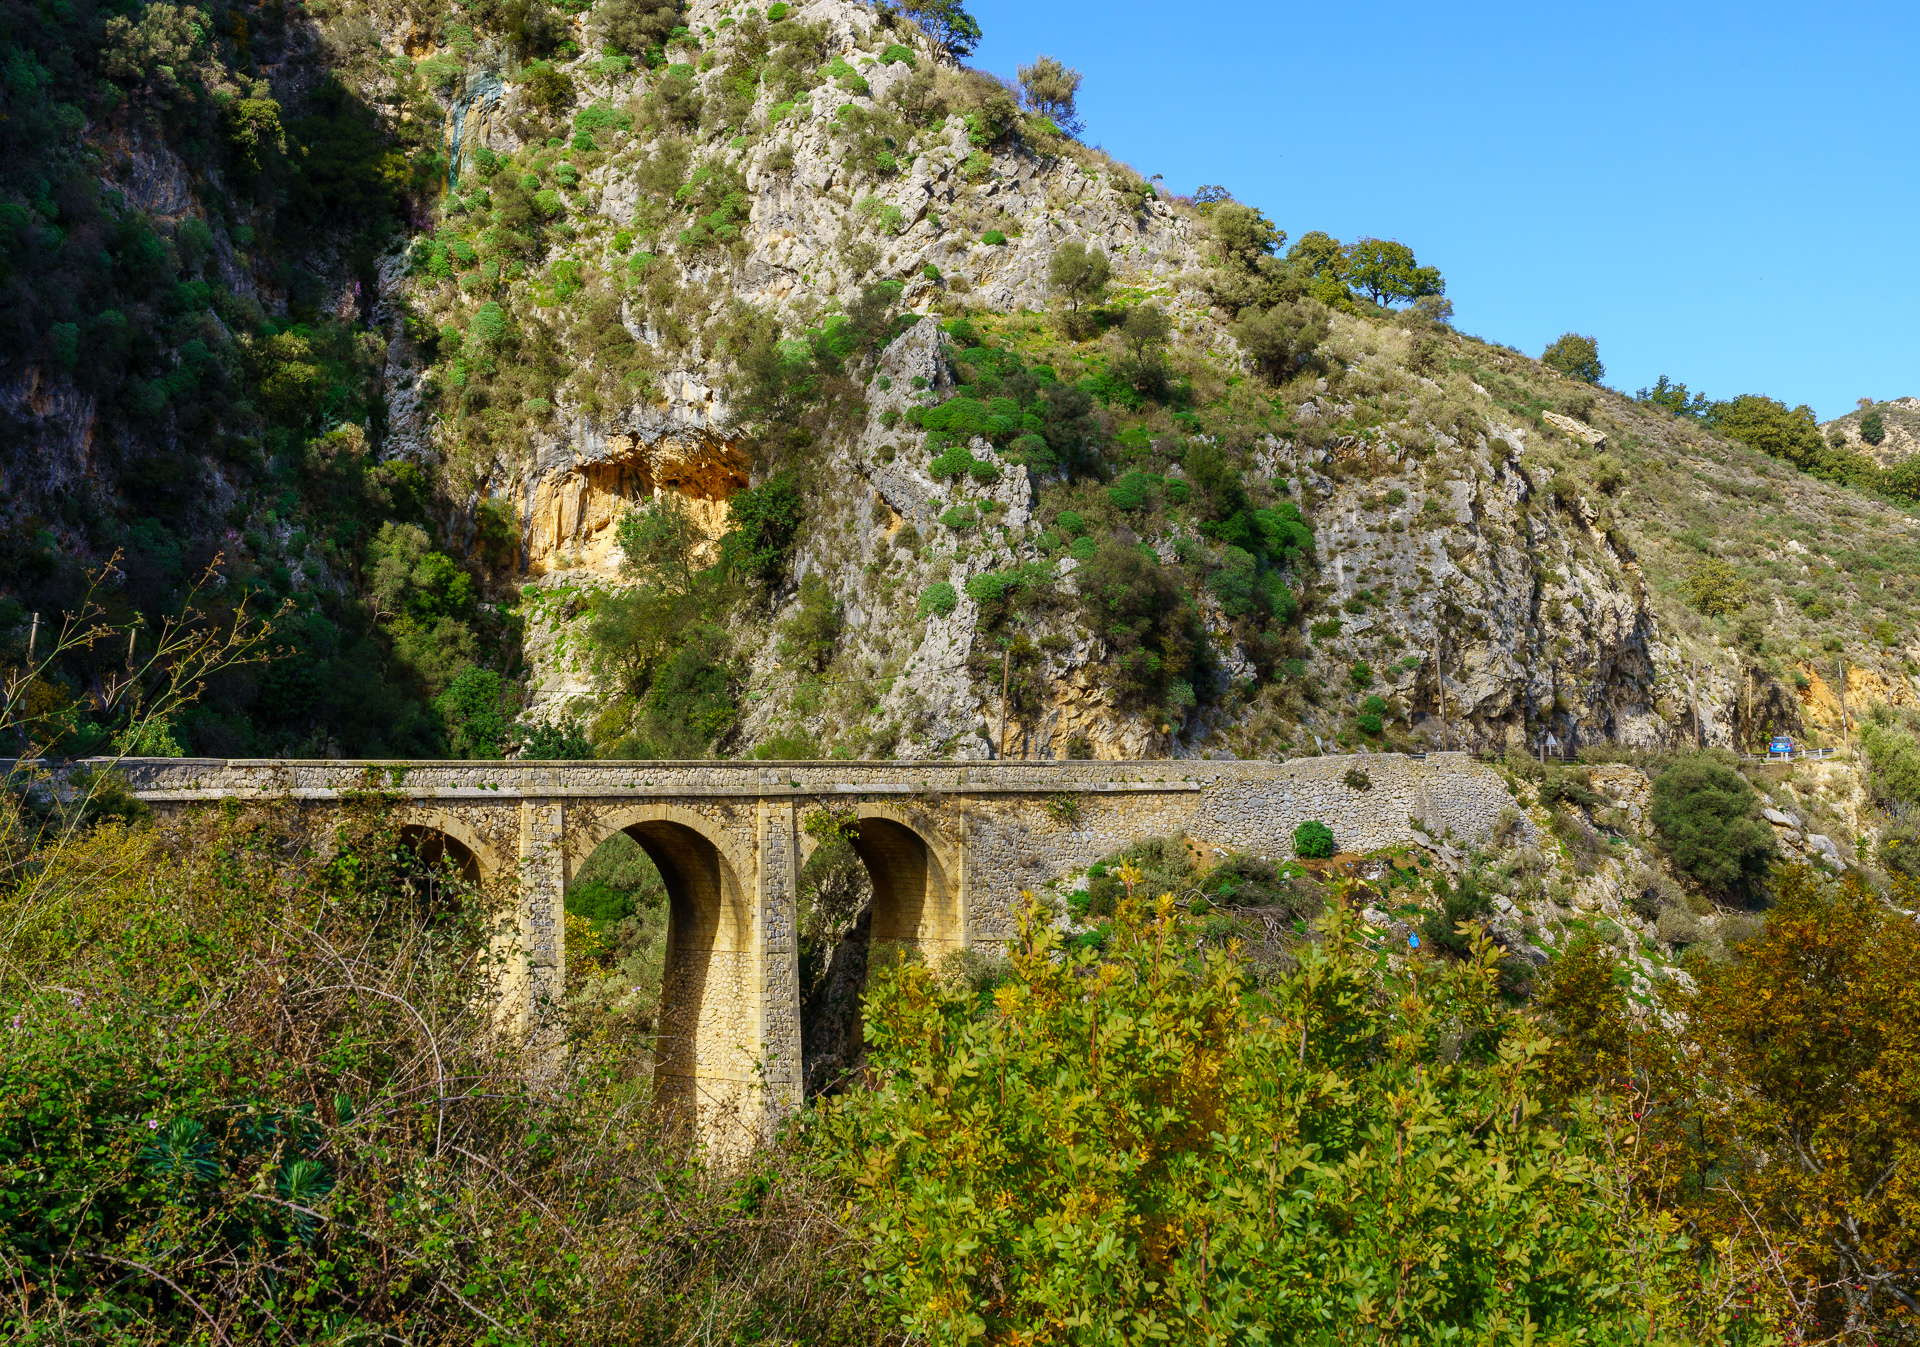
[1079, 275]
[1050, 88]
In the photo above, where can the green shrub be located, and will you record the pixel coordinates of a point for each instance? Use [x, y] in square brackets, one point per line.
[761, 524]
[1134, 491]
[1575, 356]
[563, 740]
[939, 599]
[473, 708]
[1873, 428]
[1361, 674]
[1715, 588]
[1894, 759]
[993, 237]
[931, 272]
[1313, 840]
[1708, 818]
[1370, 724]
[1899, 850]
[895, 53]
[1463, 902]
[1152, 629]
[955, 461]
[960, 517]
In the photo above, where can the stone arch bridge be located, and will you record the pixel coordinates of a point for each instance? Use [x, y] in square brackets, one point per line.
[948, 846]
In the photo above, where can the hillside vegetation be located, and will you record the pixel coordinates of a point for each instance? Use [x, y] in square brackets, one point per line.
[636, 379]
[251, 1101]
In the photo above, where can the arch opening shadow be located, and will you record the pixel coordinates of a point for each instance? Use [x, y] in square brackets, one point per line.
[706, 1048]
[446, 864]
[913, 903]
[909, 906]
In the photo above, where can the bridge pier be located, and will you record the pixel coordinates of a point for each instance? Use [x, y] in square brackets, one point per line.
[542, 917]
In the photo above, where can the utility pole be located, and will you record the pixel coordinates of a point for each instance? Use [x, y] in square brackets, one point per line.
[1693, 691]
[1006, 674]
[1840, 668]
[1749, 718]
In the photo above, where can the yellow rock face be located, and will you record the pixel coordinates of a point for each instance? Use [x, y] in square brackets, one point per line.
[572, 523]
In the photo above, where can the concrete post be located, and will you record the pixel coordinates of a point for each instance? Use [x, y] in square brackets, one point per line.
[778, 947]
[543, 887]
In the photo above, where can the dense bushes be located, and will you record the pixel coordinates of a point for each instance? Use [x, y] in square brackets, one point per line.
[272, 1100]
[1325, 1138]
[280, 1088]
[1153, 632]
[1709, 822]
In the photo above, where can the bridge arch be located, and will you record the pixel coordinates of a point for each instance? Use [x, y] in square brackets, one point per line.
[437, 833]
[916, 883]
[914, 902]
[706, 1051]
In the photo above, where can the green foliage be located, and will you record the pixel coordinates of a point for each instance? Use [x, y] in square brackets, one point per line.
[474, 708]
[692, 702]
[761, 524]
[1894, 757]
[1873, 427]
[1152, 629]
[1575, 356]
[1673, 398]
[563, 740]
[1313, 840]
[1460, 904]
[1050, 90]
[938, 599]
[809, 636]
[1793, 435]
[546, 87]
[993, 238]
[947, 23]
[657, 541]
[1716, 588]
[895, 54]
[153, 1109]
[1388, 272]
[1361, 674]
[1079, 275]
[1326, 1135]
[1283, 338]
[1709, 821]
[1134, 491]
[1899, 849]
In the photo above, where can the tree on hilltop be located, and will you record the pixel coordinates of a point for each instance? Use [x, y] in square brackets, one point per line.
[1575, 356]
[1050, 89]
[1388, 273]
[1873, 429]
[947, 22]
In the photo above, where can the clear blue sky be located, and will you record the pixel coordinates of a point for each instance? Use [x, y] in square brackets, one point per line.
[1726, 193]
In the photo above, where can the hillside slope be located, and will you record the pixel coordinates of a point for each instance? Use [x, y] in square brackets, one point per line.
[797, 272]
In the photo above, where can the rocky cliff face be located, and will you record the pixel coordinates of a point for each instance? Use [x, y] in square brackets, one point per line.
[1498, 559]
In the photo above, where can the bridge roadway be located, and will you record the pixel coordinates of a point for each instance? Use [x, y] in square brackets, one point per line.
[949, 845]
